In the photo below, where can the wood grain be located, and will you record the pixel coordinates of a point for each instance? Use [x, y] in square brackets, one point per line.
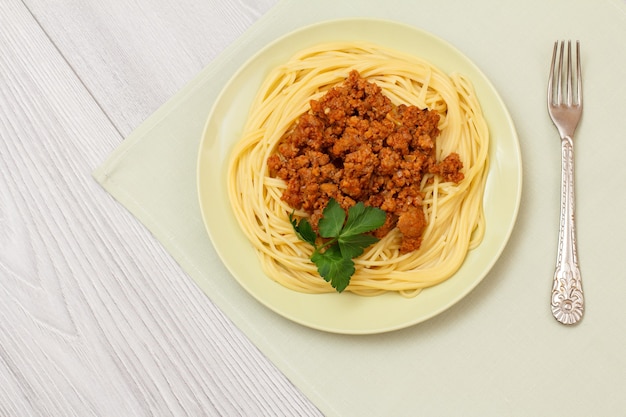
[133, 56]
[96, 319]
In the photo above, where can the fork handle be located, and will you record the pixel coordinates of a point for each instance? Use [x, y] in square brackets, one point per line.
[567, 292]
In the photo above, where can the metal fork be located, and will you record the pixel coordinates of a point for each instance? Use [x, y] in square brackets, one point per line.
[565, 106]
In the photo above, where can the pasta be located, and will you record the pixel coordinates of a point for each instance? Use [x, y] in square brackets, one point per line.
[454, 212]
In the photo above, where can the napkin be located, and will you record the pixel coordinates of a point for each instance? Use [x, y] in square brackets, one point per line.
[498, 351]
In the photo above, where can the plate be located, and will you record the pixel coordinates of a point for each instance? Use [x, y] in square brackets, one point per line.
[348, 313]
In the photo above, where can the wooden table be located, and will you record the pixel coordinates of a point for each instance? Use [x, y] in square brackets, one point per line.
[96, 319]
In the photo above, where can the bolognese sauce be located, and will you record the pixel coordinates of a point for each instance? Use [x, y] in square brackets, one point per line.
[355, 145]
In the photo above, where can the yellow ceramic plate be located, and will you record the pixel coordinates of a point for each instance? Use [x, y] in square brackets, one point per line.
[347, 313]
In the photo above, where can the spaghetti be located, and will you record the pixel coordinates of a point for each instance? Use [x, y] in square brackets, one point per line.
[453, 211]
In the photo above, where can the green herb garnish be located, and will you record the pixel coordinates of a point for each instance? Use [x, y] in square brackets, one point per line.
[340, 239]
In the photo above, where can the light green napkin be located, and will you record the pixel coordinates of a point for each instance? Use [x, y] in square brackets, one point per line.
[492, 354]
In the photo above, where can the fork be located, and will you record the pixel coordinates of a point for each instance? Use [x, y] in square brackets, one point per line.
[565, 109]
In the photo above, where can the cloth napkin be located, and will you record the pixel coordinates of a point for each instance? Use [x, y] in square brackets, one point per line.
[498, 352]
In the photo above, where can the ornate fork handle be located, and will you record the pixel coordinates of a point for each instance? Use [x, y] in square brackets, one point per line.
[567, 292]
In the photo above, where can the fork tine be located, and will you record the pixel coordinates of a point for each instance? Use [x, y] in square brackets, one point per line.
[569, 81]
[579, 77]
[551, 77]
[559, 78]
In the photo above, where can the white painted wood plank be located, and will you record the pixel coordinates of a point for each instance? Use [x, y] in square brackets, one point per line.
[96, 319]
[133, 56]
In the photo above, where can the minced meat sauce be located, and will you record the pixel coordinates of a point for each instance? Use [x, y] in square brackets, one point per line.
[355, 145]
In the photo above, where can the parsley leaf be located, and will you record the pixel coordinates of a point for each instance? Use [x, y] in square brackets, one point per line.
[334, 267]
[353, 246]
[304, 230]
[330, 225]
[362, 219]
[342, 239]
